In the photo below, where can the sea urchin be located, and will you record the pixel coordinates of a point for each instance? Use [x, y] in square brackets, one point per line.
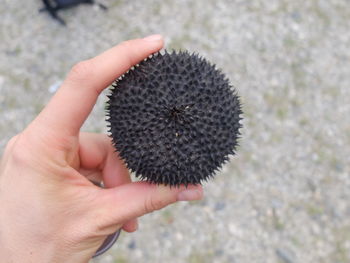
[174, 118]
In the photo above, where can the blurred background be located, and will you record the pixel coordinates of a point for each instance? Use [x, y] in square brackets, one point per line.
[285, 196]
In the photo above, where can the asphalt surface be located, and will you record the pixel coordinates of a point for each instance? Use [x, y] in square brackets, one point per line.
[285, 196]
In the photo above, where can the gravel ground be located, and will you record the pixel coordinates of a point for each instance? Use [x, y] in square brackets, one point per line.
[285, 197]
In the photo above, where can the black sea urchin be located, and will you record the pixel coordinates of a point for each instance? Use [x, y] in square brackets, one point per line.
[174, 118]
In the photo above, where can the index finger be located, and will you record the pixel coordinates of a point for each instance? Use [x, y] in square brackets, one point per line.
[73, 102]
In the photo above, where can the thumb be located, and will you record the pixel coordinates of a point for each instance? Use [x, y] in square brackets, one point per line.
[129, 201]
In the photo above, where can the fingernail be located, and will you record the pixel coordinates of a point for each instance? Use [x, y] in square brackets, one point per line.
[153, 38]
[189, 195]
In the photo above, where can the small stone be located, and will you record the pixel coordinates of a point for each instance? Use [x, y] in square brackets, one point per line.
[219, 206]
[132, 245]
[285, 255]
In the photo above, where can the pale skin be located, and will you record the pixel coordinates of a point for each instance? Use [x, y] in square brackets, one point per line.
[49, 209]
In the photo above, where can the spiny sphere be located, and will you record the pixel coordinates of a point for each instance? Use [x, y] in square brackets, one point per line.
[174, 119]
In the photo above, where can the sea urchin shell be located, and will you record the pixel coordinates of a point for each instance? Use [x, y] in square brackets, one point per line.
[174, 118]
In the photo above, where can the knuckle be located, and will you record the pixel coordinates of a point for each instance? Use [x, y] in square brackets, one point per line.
[81, 71]
[17, 150]
[11, 143]
[12, 148]
[154, 204]
[17, 155]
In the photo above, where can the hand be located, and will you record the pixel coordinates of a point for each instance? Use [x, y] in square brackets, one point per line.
[49, 210]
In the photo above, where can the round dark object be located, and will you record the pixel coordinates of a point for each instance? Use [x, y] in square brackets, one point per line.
[174, 118]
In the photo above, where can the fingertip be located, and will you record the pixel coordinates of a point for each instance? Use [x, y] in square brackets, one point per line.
[155, 38]
[191, 193]
[131, 226]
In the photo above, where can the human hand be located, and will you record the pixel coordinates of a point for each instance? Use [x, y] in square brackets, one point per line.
[49, 210]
